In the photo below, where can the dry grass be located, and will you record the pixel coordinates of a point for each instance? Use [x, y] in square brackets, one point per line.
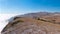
[45, 25]
[29, 26]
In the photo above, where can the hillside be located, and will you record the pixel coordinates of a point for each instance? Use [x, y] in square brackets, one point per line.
[34, 23]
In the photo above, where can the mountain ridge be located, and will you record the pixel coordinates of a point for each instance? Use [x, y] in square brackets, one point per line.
[34, 23]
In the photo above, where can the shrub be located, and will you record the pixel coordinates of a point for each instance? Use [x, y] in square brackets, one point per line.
[17, 18]
[19, 21]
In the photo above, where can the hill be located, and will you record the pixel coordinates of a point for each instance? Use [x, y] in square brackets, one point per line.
[34, 23]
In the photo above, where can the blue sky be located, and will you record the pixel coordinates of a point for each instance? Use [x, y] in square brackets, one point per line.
[26, 6]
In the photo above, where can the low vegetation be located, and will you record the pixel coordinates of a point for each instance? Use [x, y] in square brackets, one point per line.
[19, 21]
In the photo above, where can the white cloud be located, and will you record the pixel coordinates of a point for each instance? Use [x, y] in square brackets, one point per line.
[3, 18]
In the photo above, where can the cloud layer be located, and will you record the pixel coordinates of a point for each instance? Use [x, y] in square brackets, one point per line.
[3, 18]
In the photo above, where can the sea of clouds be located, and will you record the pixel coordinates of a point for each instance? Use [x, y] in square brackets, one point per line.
[4, 20]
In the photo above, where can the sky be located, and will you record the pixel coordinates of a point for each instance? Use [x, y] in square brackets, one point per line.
[9, 8]
[27, 6]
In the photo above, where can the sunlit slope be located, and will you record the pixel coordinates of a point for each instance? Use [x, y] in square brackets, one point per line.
[44, 24]
[24, 23]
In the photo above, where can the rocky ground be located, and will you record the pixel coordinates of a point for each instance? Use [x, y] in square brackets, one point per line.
[44, 24]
